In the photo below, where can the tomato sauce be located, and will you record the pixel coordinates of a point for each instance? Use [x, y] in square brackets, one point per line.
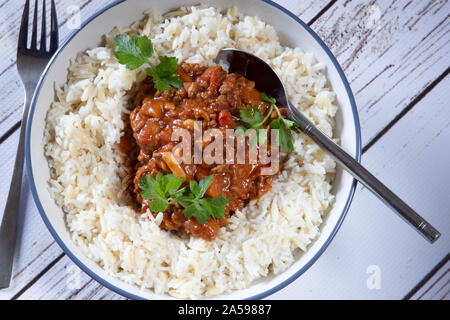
[214, 97]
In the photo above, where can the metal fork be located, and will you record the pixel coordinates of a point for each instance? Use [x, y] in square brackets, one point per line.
[30, 64]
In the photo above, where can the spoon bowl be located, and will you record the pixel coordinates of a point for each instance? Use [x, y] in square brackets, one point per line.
[254, 69]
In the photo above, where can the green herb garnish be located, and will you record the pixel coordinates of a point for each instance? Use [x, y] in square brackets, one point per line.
[200, 207]
[268, 99]
[164, 74]
[252, 118]
[135, 51]
[165, 190]
[284, 138]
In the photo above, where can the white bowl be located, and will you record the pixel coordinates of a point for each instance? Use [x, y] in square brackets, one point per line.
[292, 32]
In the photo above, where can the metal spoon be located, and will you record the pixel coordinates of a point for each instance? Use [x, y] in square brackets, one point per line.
[266, 80]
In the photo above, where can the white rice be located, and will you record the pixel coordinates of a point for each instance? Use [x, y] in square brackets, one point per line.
[84, 126]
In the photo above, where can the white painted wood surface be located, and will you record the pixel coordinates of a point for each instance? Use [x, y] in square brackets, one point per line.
[412, 160]
[11, 95]
[390, 51]
[437, 286]
[396, 58]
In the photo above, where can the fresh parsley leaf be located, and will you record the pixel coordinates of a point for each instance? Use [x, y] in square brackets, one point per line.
[240, 130]
[147, 185]
[195, 205]
[252, 117]
[204, 185]
[284, 138]
[176, 194]
[216, 206]
[172, 185]
[158, 205]
[185, 200]
[256, 135]
[205, 208]
[291, 125]
[198, 211]
[262, 136]
[165, 190]
[268, 99]
[195, 188]
[164, 74]
[253, 141]
[283, 125]
[199, 189]
[134, 51]
[160, 190]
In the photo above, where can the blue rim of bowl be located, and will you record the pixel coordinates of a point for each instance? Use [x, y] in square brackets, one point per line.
[127, 294]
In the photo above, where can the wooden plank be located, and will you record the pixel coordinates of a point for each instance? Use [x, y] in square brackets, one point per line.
[11, 90]
[390, 51]
[305, 10]
[65, 281]
[37, 249]
[437, 285]
[373, 241]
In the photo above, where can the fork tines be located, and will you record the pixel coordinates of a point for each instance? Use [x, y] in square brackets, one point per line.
[23, 33]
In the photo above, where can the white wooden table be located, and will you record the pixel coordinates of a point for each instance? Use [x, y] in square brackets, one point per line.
[396, 56]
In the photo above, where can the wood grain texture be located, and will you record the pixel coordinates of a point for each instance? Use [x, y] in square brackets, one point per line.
[409, 38]
[304, 9]
[66, 281]
[35, 247]
[11, 90]
[436, 285]
[389, 50]
[373, 241]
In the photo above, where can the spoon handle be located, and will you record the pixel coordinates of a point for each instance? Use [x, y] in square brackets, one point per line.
[365, 177]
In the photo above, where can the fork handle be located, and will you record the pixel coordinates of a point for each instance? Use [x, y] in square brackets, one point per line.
[8, 228]
[365, 177]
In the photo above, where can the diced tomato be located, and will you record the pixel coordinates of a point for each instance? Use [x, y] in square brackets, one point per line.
[219, 186]
[226, 119]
